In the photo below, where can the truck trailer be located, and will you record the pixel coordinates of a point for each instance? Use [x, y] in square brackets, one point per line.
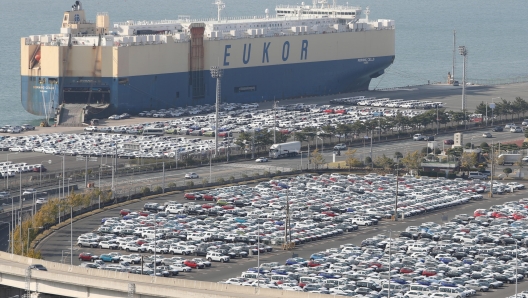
[285, 149]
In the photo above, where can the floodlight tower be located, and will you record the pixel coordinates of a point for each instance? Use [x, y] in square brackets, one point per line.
[216, 73]
[463, 51]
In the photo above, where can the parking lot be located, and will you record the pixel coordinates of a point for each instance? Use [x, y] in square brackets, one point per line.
[233, 225]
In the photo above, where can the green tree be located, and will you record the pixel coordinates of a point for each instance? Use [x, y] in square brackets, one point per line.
[343, 129]
[412, 160]
[481, 108]
[520, 105]
[507, 171]
[398, 155]
[317, 159]
[351, 160]
[384, 162]
[468, 161]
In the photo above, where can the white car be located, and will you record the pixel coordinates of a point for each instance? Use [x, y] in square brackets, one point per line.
[340, 147]
[29, 191]
[41, 201]
[114, 117]
[191, 176]
[180, 250]
[261, 159]
[516, 129]
[217, 257]
[108, 245]
[90, 128]
[418, 137]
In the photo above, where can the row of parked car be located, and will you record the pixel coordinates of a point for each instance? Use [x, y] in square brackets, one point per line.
[237, 221]
[469, 254]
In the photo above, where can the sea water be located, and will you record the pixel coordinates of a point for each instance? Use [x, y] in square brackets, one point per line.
[495, 34]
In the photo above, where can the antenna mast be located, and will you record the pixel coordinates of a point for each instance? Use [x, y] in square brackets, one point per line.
[220, 5]
[454, 56]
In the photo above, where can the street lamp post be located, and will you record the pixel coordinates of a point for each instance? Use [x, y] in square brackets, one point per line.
[275, 121]
[40, 170]
[217, 73]
[7, 181]
[10, 235]
[390, 259]
[463, 51]
[29, 238]
[322, 144]
[71, 235]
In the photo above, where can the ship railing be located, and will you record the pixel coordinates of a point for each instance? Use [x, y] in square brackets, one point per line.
[327, 7]
[229, 37]
[158, 22]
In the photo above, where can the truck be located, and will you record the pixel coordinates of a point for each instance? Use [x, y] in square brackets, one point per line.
[509, 159]
[285, 149]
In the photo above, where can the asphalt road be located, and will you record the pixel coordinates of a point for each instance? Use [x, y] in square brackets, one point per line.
[57, 246]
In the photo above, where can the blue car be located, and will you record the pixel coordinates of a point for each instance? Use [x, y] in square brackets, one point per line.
[327, 275]
[240, 220]
[283, 185]
[109, 258]
[448, 284]
[445, 260]
[400, 281]
[468, 261]
[423, 282]
[317, 256]
[279, 271]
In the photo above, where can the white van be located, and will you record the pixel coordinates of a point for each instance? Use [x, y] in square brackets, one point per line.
[453, 292]
[420, 288]
[278, 277]
[174, 209]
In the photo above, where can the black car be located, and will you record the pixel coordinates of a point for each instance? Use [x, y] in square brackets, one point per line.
[38, 267]
[497, 128]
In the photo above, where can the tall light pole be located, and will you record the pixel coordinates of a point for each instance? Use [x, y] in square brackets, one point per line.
[322, 144]
[7, 181]
[71, 235]
[275, 121]
[216, 73]
[10, 235]
[86, 159]
[210, 167]
[40, 170]
[463, 51]
[390, 259]
[397, 186]
[29, 238]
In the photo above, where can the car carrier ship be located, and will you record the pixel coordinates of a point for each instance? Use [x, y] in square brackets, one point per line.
[302, 50]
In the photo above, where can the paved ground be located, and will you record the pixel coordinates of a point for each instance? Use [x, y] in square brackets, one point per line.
[58, 244]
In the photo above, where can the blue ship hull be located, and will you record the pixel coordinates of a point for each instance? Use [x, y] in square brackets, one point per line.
[242, 85]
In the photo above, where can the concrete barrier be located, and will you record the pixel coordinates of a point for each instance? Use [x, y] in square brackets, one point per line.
[97, 282]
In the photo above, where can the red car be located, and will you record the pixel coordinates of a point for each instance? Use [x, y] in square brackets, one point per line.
[406, 270]
[313, 264]
[209, 197]
[192, 196]
[518, 216]
[225, 207]
[428, 272]
[191, 264]
[497, 214]
[207, 206]
[124, 212]
[86, 256]
[144, 213]
[39, 169]
[329, 213]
